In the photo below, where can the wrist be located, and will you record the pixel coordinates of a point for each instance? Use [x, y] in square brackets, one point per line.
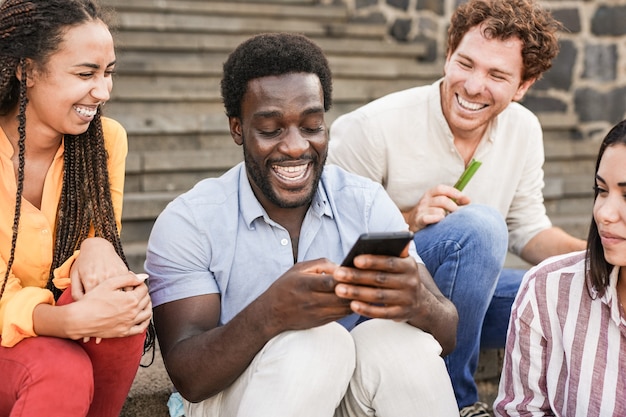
[51, 320]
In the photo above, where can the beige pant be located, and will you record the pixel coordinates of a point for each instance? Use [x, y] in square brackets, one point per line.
[381, 368]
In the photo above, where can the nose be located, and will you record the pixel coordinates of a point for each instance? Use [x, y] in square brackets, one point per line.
[606, 209]
[294, 143]
[475, 83]
[101, 89]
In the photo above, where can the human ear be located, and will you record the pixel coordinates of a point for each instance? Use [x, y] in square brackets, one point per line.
[26, 67]
[236, 129]
[523, 88]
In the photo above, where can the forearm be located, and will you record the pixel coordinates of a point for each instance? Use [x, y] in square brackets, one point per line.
[551, 242]
[203, 365]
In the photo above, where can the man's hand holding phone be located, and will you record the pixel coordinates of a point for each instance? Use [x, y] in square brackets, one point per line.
[386, 285]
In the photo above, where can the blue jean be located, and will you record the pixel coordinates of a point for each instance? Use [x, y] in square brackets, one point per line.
[465, 254]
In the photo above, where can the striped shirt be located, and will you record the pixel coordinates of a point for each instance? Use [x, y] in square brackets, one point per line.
[566, 350]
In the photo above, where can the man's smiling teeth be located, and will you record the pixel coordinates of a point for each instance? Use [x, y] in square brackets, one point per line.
[468, 105]
[291, 173]
[85, 112]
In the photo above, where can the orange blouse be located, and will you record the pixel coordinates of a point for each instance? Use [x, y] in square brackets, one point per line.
[26, 286]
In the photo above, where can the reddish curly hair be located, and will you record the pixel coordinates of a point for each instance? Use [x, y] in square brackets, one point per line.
[504, 19]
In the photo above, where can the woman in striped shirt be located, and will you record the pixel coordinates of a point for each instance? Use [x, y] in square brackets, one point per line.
[566, 347]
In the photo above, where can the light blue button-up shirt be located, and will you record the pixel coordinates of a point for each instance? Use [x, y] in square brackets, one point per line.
[217, 238]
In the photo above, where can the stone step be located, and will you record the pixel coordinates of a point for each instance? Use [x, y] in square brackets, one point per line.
[157, 83]
[145, 205]
[142, 40]
[308, 9]
[150, 390]
[193, 21]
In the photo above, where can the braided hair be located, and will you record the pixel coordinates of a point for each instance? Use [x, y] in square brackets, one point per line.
[33, 30]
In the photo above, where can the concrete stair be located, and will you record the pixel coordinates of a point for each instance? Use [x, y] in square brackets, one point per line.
[166, 94]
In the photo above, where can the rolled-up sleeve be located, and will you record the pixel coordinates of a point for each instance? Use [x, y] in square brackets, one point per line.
[527, 214]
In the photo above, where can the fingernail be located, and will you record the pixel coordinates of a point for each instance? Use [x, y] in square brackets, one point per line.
[141, 277]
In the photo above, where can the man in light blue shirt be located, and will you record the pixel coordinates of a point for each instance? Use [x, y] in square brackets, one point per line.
[244, 274]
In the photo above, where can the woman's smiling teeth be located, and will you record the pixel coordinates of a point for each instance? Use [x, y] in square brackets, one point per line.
[469, 105]
[290, 173]
[84, 111]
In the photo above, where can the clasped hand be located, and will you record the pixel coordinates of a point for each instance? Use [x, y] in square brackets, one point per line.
[113, 301]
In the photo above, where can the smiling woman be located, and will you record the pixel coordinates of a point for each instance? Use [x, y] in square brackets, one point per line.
[65, 321]
[566, 347]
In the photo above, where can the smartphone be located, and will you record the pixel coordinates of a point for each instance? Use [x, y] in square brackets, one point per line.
[382, 243]
[467, 174]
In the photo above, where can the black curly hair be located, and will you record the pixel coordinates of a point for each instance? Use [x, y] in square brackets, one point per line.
[271, 54]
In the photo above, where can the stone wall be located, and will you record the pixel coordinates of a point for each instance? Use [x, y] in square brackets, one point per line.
[585, 88]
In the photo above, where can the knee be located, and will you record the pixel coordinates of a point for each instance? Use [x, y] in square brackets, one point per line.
[60, 363]
[482, 227]
[388, 350]
[483, 219]
[69, 364]
[326, 352]
[377, 339]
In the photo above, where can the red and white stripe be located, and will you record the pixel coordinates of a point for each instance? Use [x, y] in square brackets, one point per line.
[566, 350]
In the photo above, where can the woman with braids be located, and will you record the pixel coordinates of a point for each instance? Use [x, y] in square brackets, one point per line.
[73, 317]
[566, 347]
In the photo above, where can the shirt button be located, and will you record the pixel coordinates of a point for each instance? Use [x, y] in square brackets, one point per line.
[284, 242]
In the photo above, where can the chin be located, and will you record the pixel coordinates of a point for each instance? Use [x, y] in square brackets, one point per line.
[300, 199]
[615, 258]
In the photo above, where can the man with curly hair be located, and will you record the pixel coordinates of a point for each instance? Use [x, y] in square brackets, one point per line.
[254, 315]
[419, 141]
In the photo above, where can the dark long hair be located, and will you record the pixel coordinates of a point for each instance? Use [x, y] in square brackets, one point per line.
[33, 30]
[596, 265]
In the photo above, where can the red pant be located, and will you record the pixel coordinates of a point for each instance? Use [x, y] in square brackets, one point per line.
[48, 376]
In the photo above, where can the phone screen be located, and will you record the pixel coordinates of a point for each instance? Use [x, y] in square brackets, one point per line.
[382, 243]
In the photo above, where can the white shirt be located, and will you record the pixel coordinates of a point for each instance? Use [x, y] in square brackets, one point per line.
[403, 141]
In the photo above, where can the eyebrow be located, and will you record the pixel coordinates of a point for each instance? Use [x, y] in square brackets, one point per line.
[95, 66]
[620, 184]
[276, 113]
